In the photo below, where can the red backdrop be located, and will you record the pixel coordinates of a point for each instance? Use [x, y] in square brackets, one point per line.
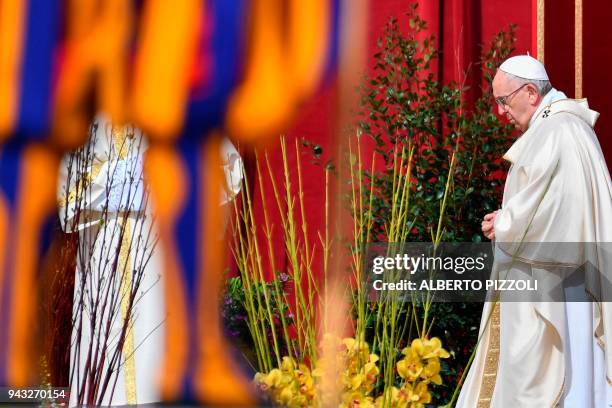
[559, 57]
[461, 27]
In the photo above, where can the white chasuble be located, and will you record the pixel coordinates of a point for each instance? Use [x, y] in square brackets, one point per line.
[118, 309]
[558, 190]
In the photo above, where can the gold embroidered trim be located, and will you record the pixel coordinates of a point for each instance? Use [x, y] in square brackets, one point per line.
[120, 136]
[125, 267]
[540, 30]
[578, 48]
[491, 360]
[81, 185]
[492, 364]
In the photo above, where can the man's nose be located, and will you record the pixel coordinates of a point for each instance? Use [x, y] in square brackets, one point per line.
[501, 109]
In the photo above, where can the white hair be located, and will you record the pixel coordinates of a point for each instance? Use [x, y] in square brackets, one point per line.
[542, 85]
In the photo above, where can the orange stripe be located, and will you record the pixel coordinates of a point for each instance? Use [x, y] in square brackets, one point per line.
[210, 263]
[114, 36]
[308, 40]
[166, 175]
[12, 21]
[164, 60]
[70, 124]
[94, 62]
[216, 381]
[39, 168]
[263, 105]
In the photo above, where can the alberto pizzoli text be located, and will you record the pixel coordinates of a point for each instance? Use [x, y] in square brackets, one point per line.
[457, 284]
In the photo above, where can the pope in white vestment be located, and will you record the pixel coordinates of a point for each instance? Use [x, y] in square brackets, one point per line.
[558, 190]
[118, 308]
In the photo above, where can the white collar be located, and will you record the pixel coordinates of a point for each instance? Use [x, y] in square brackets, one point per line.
[550, 105]
[551, 96]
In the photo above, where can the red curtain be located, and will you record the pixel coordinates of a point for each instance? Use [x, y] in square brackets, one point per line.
[559, 57]
[597, 54]
[460, 26]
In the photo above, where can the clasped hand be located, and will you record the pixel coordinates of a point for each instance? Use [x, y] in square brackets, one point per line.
[488, 223]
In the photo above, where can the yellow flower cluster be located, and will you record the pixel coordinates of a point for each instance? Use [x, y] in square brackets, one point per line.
[294, 385]
[419, 367]
[291, 386]
[360, 375]
[408, 396]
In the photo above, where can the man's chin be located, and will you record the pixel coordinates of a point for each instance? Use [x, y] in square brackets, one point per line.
[517, 125]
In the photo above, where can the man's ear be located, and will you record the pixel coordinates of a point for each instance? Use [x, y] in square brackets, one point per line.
[534, 94]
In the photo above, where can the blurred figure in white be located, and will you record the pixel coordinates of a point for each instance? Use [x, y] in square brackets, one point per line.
[118, 305]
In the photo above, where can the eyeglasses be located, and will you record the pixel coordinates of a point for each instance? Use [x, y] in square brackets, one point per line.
[503, 100]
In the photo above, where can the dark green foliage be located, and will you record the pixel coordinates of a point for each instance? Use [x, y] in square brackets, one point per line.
[403, 104]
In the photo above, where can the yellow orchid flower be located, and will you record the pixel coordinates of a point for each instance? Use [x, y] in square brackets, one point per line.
[427, 348]
[433, 348]
[349, 343]
[416, 346]
[285, 396]
[431, 371]
[270, 380]
[356, 399]
[287, 365]
[394, 391]
[410, 367]
[418, 395]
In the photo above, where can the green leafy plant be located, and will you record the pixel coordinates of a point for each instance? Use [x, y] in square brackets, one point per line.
[404, 104]
[455, 171]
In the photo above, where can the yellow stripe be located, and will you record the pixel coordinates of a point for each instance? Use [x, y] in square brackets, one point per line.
[125, 267]
[578, 49]
[12, 21]
[120, 141]
[81, 185]
[540, 30]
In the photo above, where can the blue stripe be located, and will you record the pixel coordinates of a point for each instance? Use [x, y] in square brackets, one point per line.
[10, 162]
[333, 48]
[187, 226]
[207, 106]
[186, 238]
[42, 33]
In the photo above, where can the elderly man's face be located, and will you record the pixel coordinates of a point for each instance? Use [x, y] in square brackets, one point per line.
[519, 101]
